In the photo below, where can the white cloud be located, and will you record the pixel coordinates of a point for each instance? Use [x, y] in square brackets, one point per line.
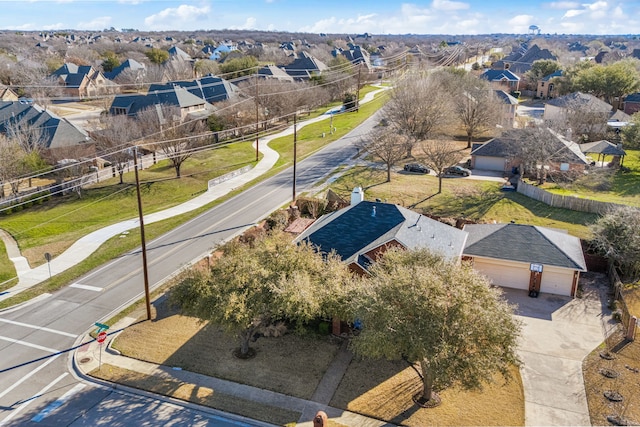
[177, 18]
[571, 13]
[95, 24]
[58, 26]
[449, 5]
[561, 5]
[520, 23]
[249, 24]
[599, 5]
[134, 2]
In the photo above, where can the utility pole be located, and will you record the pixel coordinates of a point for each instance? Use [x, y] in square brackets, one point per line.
[358, 87]
[257, 120]
[142, 239]
[295, 154]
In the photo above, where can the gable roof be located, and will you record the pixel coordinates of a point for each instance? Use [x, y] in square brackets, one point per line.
[357, 229]
[581, 100]
[304, 66]
[56, 132]
[275, 72]
[174, 96]
[506, 146]
[499, 75]
[505, 97]
[602, 147]
[634, 97]
[176, 53]
[525, 243]
[557, 73]
[129, 64]
[210, 88]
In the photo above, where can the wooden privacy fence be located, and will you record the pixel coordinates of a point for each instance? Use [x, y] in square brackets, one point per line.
[565, 202]
[629, 321]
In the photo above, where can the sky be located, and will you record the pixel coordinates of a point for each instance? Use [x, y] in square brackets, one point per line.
[452, 17]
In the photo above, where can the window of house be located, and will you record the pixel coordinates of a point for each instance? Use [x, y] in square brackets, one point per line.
[564, 166]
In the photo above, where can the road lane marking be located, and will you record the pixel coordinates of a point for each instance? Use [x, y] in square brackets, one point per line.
[86, 287]
[58, 403]
[41, 328]
[32, 398]
[28, 344]
[29, 375]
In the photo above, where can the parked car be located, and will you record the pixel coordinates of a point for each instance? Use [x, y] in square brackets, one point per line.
[416, 167]
[457, 170]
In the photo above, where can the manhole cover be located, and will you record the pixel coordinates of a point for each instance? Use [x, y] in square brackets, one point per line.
[85, 360]
[613, 396]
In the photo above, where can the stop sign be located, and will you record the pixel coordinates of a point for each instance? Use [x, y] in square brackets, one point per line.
[101, 337]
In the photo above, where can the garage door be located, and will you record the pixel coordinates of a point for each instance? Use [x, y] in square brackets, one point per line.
[503, 273]
[489, 163]
[556, 281]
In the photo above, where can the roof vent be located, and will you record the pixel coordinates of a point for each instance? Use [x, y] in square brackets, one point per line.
[373, 212]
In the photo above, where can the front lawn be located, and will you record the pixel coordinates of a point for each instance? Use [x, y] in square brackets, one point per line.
[460, 198]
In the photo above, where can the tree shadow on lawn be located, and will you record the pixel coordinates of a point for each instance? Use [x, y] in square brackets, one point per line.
[291, 364]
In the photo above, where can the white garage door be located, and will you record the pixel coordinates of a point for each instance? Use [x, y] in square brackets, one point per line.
[489, 163]
[556, 281]
[504, 273]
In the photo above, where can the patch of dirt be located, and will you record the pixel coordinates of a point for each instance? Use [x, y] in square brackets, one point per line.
[613, 399]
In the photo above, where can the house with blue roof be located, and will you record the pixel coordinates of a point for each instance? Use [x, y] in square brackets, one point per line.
[210, 88]
[360, 233]
[82, 81]
[502, 79]
[190, 105]
[632, 103]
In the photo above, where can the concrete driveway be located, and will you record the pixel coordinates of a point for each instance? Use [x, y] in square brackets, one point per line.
[557, 334]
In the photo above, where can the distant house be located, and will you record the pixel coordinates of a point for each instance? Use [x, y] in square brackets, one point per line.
[130, 65]
[190, 105]
[177, 54]
[274, 72]
[520, 60]
[508, 106]
[632, 103]
[532, 258]
[82, 81]
[209, 88]
[305, 66]
[215, 53]
[502, 80]
[360, 233]
[7, 94]
[355, 55]
[57, 133]
[501, 153]
[594, 112]
[546, 85]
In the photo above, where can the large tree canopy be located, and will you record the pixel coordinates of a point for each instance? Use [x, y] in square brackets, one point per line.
[617, 235]
[609, 81]
[438, 314]
[251, 286]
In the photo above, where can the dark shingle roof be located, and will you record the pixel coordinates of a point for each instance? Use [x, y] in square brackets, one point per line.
[210, 88]
[525, 243]
[582, 100]
[499, 75]
[496, 147]
[602, 147]
[56, 132]
[357, 229]
[173, 96]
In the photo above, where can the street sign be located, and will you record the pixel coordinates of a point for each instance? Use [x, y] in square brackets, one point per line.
[101, 326]
[101, 337]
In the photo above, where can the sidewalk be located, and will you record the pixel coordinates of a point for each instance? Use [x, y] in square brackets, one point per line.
[85, 246]
[88, 357]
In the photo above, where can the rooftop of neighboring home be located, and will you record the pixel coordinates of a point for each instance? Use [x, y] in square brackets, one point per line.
[304, 66]
[56, 132]
[175, 96]
[580, 100]
[210, 88]
[506, 98]
[129, 64]
[499, 75]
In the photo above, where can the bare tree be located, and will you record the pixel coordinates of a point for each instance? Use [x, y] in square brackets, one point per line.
[384, 143]
[475, 105]
[178, 70]
[176, 137]
[439, 155]
[418, 107]
[114, 139]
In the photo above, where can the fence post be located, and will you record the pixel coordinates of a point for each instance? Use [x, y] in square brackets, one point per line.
[631, 329]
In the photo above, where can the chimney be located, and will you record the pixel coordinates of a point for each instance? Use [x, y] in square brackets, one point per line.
[357, 195]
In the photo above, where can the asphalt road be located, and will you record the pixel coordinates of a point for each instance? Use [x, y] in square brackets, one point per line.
[37, 384]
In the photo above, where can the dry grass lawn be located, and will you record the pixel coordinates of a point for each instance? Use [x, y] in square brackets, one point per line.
[626, 365]
[294, 365]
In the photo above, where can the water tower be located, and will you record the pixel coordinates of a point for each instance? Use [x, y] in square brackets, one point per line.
[534, 30]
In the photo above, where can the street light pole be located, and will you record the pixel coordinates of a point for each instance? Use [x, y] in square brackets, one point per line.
[142, 239]
[295, 154]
